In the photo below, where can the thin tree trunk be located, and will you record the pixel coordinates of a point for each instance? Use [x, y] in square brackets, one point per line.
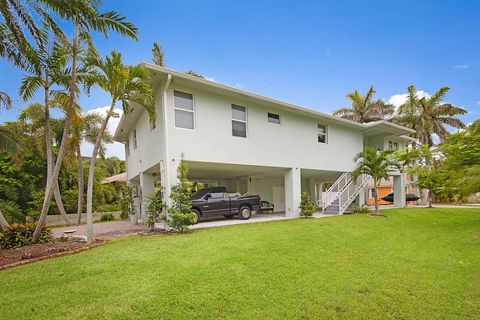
[430, 198]
[80, 184]
[376, 195]
[66, 131]
[91, 171]
[48, 147]
[3, 222]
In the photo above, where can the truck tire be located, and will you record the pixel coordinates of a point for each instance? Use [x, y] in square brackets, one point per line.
[197, 216]
[245, 213]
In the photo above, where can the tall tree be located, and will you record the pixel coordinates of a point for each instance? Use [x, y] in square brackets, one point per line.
[158, 56]
[429, 116]
[377, 164]
[365, 108]
[86, 130]
[128, 85]
[86, 17]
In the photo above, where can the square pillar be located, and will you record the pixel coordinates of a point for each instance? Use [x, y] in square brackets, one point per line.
[399, 191]
[147, 187]
[293, 190]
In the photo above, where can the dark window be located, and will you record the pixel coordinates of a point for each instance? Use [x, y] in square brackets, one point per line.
[322, 133]
[239, 121]
[273, 118]
[134, 139]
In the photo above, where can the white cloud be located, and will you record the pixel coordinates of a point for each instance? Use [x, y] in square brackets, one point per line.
[461, 66]
[399, 99]
[113, 149]
[211, 79]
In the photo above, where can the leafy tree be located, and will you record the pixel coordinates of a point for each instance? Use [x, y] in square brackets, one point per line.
[365, 108]
[126, 85]
[179, 215]
[86, 17]
[154, 210]
[377, 165]
[429, 116]
[306, 206]
[158, 55]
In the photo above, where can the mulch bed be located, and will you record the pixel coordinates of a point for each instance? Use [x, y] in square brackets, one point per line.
[10, 258]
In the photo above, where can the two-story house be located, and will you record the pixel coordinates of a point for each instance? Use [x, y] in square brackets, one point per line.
[246, 142]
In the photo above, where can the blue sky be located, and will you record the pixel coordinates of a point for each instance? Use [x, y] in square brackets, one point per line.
[309, 53]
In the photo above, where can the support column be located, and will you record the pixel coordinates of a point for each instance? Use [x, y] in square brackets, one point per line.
[398, 191]
[361, 197]
[147, 186]
[293, 190]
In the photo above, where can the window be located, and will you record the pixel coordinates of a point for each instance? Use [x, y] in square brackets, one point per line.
[371, 193]
[134, 139]
[273, 118]
[217, 195]
[183, 105]
[322, 133]
[239, 121]
[392, 145]
[127, 148]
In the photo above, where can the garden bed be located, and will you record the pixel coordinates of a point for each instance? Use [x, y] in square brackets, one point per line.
[10, 258]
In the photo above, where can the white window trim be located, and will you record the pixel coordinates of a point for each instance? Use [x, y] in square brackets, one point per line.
[187, 110]
[242, 121]
[325, 134]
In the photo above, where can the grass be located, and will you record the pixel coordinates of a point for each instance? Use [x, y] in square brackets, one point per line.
[418, 264]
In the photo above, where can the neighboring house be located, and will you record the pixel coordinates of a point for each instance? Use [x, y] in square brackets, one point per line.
[120, 178]
[246, 142]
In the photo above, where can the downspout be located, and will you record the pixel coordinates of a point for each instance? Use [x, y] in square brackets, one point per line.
[165, 162]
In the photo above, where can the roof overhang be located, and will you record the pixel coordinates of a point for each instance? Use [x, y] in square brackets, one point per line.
[160, 74]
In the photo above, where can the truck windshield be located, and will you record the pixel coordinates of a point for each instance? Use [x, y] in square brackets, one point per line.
[199, 194]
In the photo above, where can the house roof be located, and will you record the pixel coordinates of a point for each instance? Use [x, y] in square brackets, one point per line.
[118, 178]
[181, 77]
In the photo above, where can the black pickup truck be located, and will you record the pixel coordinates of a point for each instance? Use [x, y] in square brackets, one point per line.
[217, 201]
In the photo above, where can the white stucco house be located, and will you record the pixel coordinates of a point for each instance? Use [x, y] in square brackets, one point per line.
[247, 143]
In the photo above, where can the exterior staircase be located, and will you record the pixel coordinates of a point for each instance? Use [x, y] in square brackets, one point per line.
[342, 193]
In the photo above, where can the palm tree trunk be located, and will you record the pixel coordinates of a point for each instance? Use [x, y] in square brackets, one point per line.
[430, 198]
[48, 146]
[80, 184]
[3, 222]
[66, 131]
[376, 195]
[91, 171]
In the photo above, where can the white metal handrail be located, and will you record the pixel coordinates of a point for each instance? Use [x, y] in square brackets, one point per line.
[350, 192]
[336, 187]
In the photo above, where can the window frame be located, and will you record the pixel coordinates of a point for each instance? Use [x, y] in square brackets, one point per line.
[135, 144]
[127, 147]
[241, 121]
[325, 134]
[275, 114]
[175, 108]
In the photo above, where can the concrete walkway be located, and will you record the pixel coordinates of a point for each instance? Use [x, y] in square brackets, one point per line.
[104, 229]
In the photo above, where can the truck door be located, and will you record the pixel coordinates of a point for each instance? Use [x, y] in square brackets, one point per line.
[217, 204]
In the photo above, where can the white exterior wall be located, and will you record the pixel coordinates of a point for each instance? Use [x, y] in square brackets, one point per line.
[292, 143]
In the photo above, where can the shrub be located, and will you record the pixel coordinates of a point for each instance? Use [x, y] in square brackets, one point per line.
[108, 207]
[306, 206]
[19, 235]
[154, 209]
[106, 216]
[361, 209]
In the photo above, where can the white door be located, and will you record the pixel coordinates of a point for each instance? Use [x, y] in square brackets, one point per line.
[279, 198]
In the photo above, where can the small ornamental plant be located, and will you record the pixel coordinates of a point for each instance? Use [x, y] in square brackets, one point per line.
[154, 210]
[179, 216]
[306, 206]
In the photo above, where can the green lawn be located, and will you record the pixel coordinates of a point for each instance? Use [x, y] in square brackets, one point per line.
[418, 264]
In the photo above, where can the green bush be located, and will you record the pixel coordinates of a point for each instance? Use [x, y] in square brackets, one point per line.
[306, 206]
[361, 209]
[154, 209]
[106, 216]
[19, 235]
[108, 207]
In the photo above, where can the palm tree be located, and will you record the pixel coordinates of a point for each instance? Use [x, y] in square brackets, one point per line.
[364, 108]
[429, 116]
[158, 57]
[86, 17]
[126, 85]
[377, 165]
[86, 130]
